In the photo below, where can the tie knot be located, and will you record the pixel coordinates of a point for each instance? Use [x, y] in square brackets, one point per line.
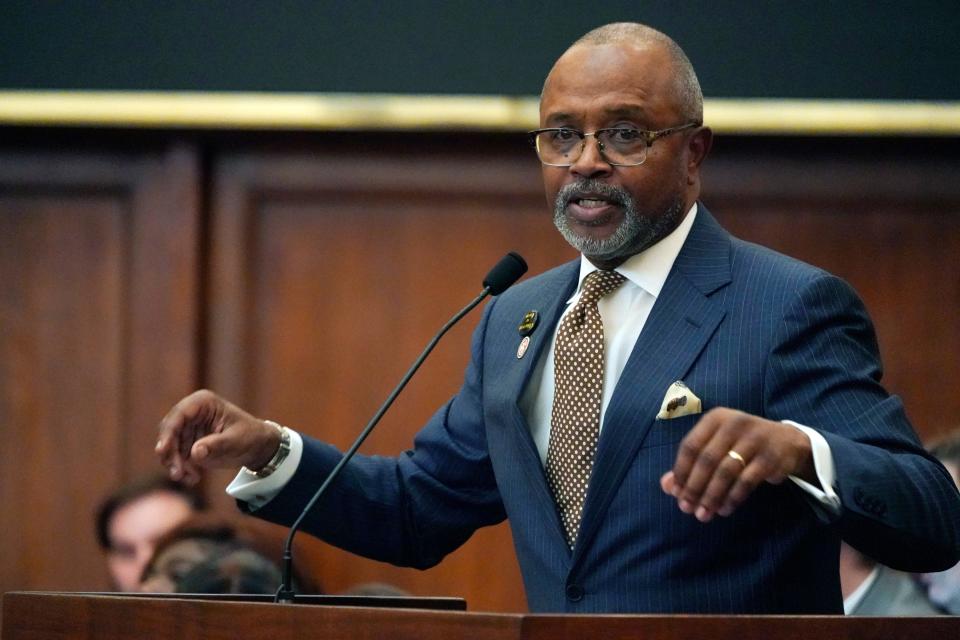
[599, 283]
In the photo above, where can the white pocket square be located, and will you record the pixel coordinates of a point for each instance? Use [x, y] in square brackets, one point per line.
[678, 402]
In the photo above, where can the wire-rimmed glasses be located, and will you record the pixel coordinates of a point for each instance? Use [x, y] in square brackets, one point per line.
[619, 146]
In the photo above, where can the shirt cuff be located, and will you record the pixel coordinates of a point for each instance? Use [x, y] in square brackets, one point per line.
[257, 492]
[825, 502]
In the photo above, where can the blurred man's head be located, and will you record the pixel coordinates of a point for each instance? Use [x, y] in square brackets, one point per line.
[130, 521]
[190, 543]
[234, 571]
[943, 588]
[210, 554]
[947, 451]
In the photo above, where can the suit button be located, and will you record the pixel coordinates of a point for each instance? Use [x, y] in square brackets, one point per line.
[858, 496]
[574, 592]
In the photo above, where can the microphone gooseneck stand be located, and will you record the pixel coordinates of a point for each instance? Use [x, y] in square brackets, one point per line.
[507, 271]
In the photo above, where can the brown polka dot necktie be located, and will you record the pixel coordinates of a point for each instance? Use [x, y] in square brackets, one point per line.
[578, 394]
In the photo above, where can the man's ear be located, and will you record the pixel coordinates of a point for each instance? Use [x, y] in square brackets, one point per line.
[698, 146]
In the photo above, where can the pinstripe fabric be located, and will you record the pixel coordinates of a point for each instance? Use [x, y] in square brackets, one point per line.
[743, 327]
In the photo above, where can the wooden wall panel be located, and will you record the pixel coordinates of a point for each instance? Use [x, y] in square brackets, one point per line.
[98, 314]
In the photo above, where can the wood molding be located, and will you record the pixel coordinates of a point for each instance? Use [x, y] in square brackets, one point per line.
[315, 111]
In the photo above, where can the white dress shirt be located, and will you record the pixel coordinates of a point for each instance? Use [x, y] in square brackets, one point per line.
[624, 313]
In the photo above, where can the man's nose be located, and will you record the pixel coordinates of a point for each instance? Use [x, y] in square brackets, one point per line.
[591, 162]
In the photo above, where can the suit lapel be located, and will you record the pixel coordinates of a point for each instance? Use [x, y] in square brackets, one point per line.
[679, 327]
[550, 301]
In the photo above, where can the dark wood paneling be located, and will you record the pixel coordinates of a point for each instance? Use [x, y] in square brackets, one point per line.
[98, 314]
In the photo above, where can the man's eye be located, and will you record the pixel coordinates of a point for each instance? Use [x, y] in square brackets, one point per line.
[564, 135]
[624, 135]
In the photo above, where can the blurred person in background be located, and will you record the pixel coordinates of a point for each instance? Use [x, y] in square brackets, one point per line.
[943, 588]
[131, 520]
[872, 589]
[187, 545]
[380, 589]
[212, 554]
[236, 570]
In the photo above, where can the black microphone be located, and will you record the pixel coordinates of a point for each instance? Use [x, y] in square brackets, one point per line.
[503, 274]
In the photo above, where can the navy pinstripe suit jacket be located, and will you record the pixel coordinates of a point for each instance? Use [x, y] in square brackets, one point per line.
[742, 326]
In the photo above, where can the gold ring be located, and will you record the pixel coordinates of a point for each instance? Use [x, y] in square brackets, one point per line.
[739, 458]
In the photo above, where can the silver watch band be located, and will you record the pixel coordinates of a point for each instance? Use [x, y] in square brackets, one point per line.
[282, 452]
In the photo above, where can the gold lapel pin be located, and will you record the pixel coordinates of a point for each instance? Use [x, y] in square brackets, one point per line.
[529, 323]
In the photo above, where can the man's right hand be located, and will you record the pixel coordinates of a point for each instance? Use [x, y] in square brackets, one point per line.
[204, 431]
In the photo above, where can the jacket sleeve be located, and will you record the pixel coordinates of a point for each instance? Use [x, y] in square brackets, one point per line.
[411, 510]
[899, 505]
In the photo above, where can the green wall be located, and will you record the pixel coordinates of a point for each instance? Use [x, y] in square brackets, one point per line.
[812, 49]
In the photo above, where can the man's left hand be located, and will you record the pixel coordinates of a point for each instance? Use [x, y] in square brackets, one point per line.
[727, 455]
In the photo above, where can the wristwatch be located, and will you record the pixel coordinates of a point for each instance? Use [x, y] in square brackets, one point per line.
[282, 452]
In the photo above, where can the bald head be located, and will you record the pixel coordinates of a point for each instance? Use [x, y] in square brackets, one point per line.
[684, 84]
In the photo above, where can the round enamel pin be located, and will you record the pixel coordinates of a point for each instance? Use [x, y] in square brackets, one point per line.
[524, 345]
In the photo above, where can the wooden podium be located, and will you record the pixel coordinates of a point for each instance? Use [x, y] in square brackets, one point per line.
[51, 616]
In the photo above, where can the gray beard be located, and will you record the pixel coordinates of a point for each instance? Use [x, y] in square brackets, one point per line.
[638, 231]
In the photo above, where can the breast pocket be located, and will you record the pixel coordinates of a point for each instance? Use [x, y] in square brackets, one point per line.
[669, 431]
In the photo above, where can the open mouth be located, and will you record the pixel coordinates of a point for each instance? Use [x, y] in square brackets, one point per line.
[591, 209]
[590, 203]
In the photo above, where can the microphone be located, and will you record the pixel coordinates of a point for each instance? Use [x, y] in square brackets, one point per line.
[503, 274]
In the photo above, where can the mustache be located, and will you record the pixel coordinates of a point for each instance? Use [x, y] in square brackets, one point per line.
[584, 188]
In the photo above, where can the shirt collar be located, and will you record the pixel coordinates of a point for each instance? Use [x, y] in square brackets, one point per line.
[649, 268]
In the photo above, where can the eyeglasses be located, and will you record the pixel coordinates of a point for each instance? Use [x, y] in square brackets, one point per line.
[619, 146]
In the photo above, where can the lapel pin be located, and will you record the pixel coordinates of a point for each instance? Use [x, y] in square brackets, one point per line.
[529, 323]
[524, 345]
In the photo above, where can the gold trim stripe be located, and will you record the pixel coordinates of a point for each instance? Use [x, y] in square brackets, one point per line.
[833, 117]
[304, 111]
[264, 110]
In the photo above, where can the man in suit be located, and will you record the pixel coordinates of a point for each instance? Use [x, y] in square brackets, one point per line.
[623, 494]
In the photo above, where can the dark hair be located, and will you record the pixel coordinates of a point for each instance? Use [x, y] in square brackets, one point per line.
[140, 488]
[223, 537]
[232, 571]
